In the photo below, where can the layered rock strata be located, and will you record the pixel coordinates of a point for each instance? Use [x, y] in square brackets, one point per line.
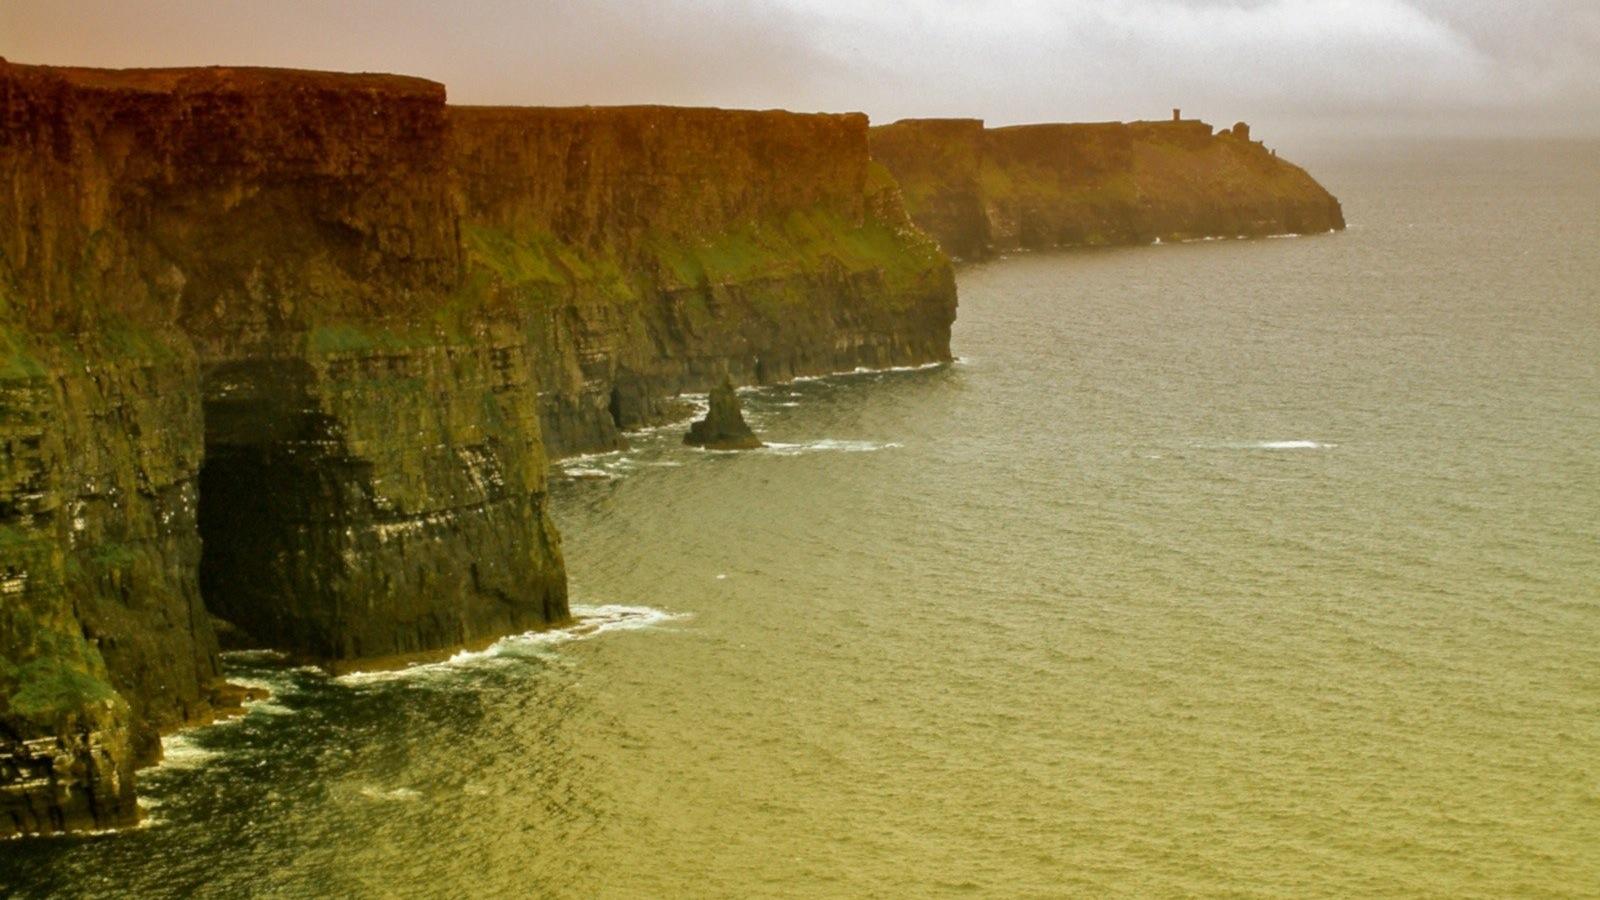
[278, 347]
[241, 358]
[659, 248]
[983, 191]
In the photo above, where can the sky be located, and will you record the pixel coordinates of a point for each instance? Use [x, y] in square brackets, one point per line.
[1373, 66]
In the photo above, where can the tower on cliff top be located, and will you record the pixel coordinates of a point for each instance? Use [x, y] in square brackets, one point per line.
[1177, 114]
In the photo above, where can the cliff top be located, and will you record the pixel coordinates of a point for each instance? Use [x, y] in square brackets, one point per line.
[1181, 125]
[946, 121]
[210, 79]
[643, 111]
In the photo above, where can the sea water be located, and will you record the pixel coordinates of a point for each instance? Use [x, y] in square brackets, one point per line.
[1246, 568]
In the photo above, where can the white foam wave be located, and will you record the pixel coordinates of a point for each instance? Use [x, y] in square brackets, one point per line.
[828, 445]
[583, 459]
[588, 622]
[179, 751]
[864, 370]
[586, 472]
[1290, 445]
[699, 405]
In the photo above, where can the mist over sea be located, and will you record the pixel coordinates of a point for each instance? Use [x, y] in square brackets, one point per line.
[1265, 568]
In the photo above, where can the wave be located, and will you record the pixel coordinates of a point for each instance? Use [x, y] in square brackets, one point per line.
[865, 370]
[828, 445]
[1290, 445]
[586, 472]
[1284, 444]
[589, 621]
[179, 750]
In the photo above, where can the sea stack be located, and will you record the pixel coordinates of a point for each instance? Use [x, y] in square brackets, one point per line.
[724, 427]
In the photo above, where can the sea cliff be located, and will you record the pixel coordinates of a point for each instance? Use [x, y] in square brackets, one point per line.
[659, 248]
[984, 191]
[283, 356]
[245, 376]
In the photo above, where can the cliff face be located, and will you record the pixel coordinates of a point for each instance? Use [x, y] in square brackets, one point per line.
[659, 248]
[985, 191]
[276, 347]
[239, 355]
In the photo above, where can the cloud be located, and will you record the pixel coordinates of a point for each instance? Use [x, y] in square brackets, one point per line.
[1384, 63]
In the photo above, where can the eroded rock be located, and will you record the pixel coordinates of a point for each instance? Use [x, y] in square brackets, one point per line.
[723, 427]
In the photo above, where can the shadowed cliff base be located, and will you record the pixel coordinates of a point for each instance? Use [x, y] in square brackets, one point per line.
[985, 191]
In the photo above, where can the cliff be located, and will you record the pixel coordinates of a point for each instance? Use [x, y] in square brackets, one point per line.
[659, 248]
[287, 351]
[245, 375]
[982, 191]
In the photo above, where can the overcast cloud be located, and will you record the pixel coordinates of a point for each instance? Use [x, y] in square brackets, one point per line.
[1457, 65]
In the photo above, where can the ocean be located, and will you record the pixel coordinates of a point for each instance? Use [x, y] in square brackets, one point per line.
[1250, 568]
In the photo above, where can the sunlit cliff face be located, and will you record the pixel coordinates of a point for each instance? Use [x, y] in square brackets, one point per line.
[1472, 65]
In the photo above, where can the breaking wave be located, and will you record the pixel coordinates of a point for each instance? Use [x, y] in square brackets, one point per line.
[589, 621]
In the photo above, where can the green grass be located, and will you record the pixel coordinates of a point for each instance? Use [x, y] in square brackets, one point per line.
[113, 555]
[47, 671]
[801, 243]
[48, 686]
[17, 363]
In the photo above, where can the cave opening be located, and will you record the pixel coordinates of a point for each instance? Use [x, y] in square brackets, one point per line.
[262, 486]
[615, 407]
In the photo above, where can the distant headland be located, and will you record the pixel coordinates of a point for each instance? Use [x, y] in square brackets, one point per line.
[984, 191]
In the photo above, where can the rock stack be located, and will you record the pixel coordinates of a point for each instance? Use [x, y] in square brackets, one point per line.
[724, 427]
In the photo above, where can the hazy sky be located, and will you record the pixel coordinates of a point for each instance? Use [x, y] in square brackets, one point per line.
[1295, 65]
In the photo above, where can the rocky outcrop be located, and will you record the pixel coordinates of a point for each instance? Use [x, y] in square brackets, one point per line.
[241, 359]
[659, 248]
[723, 427]
[986, 191]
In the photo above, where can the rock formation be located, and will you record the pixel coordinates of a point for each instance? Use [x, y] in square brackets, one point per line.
[724, 427]
[242, 360]
[276, 347]
[982, 191]
[659, 248]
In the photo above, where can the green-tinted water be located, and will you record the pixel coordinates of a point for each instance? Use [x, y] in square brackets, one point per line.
[1249, 568]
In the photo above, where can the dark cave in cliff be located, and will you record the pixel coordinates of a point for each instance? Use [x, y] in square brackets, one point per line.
[265, 481]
